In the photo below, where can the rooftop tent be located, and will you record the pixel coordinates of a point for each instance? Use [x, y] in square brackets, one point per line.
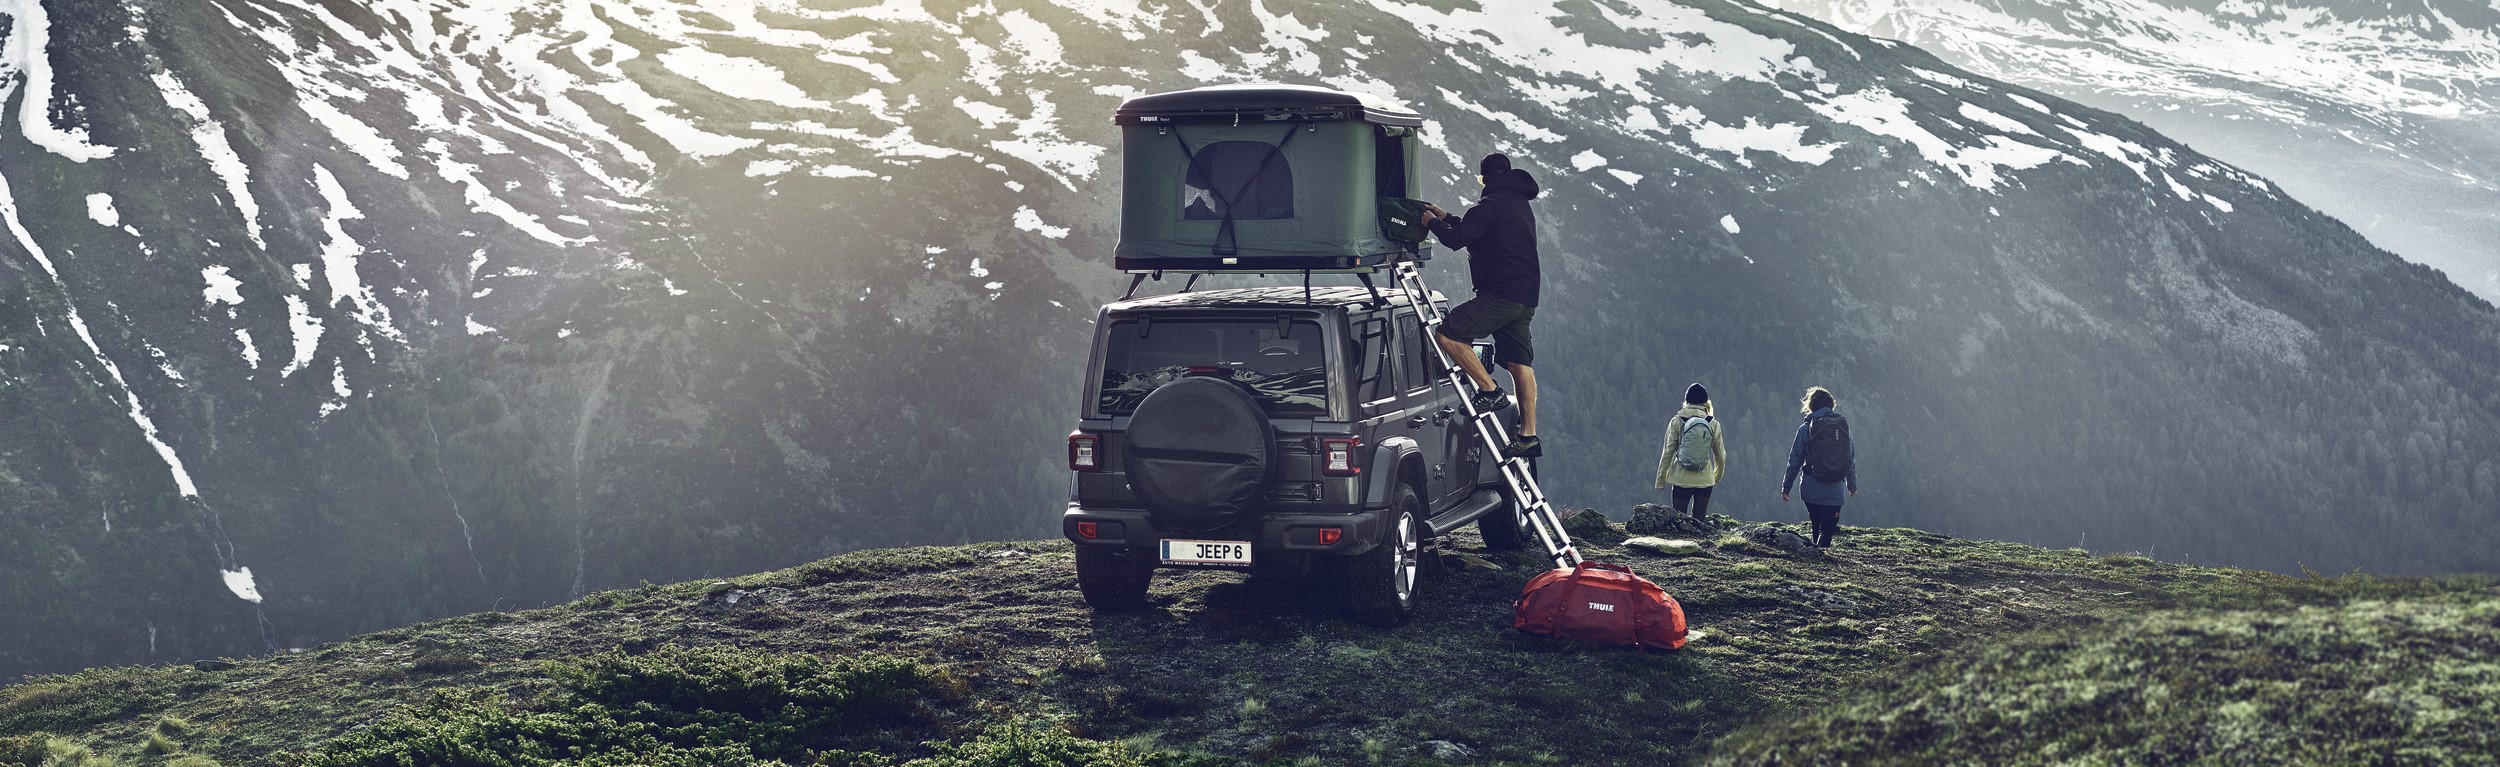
[1264, 177]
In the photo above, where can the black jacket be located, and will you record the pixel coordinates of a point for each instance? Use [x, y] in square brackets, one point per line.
[1499, 235]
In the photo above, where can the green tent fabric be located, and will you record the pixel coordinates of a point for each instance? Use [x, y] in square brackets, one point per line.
[1263, 178]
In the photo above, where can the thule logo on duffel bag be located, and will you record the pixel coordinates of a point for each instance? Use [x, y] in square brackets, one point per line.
[1601, 606]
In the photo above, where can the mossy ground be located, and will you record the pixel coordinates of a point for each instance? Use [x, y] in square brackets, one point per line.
[1226, 669]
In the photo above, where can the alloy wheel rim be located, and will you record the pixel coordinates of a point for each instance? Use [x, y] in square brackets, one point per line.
[1403, 565]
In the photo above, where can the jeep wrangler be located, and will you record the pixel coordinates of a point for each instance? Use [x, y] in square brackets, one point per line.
[1286, 431]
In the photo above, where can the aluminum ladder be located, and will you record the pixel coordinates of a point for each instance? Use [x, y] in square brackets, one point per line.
[1489, 430]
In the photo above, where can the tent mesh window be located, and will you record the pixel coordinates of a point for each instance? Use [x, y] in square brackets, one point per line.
[1250, 179]
[1390, 160]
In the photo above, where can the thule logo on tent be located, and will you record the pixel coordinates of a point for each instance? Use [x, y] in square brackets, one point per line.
[1601, 606]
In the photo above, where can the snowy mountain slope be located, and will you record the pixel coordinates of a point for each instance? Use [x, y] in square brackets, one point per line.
[2384, 114]
[320, 316]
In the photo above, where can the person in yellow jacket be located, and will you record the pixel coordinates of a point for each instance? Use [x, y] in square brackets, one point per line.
[1695, 456]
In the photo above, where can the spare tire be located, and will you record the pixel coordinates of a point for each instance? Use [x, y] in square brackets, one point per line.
[1199, 453]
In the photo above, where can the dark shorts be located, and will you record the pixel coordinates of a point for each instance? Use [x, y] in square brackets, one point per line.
[1506, 321]
[1683, 494]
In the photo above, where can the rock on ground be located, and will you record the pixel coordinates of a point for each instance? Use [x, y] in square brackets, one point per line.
[1778, 537]
[1447, 751]
[1661, 519]
[1590, 525]
[1665, 547]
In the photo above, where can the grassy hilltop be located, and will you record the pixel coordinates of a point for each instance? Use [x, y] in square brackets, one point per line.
[1900, 647]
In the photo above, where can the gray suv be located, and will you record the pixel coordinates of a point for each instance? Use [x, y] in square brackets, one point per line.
[1287, 431]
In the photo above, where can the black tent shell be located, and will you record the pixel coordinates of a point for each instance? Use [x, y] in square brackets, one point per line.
[1263, 178]
[1264, 101]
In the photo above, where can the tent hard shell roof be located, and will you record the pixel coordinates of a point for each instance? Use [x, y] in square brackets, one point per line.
[1263, 101]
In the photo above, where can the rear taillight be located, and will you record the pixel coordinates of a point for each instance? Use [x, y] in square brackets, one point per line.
[1329, 536]
[1337, 456]
[1084, 452]
[1089, 530]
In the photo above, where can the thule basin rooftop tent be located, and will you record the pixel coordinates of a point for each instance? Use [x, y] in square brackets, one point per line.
[1264, 178]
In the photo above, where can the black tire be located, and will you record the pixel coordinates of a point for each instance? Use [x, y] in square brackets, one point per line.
[1113, 579]
[1505, 528]
[1380, 584]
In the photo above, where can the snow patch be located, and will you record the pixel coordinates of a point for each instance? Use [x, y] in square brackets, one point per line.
[1538, 35]
[306, 329]
[1039, 142]
[1882, 113]
[1510, 122]
[26, 52]
[338, 258]
[1033, 41]
[209, 136]
[1030, 220]
[680, 133]
[239, 581]
[738, 77]
[1787, 140]
[1587, 160]
[1728, 222]
[1283, 33]
[2000, 122]
[475, 328]
[484, 201]
[100, 210]
[1629, 178]
[251, 352]
[223, 288]
[840, 171]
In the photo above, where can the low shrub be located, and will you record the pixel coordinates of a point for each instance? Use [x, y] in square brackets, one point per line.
[703, 707]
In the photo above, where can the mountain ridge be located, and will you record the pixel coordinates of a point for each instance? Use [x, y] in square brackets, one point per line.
[663, 323]
[992, 638]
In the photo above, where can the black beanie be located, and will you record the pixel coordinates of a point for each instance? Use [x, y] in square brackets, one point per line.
[1696, 395]
[1493, 165]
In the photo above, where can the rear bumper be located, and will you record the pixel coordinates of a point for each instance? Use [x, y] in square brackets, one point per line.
[1269, 534]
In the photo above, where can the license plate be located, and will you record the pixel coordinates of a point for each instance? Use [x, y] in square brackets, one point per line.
[1206, 552]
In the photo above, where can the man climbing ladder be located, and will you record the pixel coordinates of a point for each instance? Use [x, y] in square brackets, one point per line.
[1499, 235]
[1488, 428]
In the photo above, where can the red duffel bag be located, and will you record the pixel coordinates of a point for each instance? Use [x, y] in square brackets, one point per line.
[1600, 603]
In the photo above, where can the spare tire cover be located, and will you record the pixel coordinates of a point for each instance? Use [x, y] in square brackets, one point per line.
[1199, 453]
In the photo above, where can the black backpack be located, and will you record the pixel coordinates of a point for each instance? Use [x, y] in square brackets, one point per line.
[1827, 448]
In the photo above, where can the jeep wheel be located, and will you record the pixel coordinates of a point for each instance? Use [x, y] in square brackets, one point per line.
[1505, 528]
[1113, 579]
[1380, 583]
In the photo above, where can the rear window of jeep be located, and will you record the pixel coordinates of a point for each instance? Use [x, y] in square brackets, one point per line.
[1285, 365]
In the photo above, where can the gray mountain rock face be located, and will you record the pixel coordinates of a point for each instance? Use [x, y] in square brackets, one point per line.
[2386, 115]
[319, 318]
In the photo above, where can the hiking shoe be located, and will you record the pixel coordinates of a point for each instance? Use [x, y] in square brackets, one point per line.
[1489, 401]
[1524, 447]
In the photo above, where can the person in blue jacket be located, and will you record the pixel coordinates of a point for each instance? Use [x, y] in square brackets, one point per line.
[1824, 453]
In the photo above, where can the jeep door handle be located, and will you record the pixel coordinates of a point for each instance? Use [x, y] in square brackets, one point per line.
[1416, 422]
[1444, 415]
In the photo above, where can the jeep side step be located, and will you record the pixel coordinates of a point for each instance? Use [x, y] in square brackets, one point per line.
[1490, 431]
[1477, 505]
